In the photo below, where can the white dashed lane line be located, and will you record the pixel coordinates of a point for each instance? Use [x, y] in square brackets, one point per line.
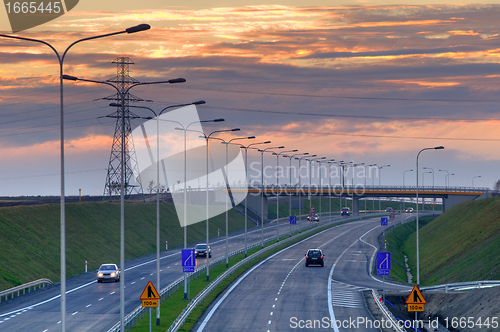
[88, 305]
[74, 313]
[102, 298]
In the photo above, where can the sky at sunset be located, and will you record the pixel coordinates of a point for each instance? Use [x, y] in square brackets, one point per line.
[365, 81]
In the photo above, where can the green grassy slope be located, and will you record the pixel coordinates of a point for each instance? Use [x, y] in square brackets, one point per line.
[30, 236]
[460, 245]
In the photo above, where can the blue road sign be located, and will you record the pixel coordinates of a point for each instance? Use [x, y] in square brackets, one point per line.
[383, 221]
[383, 263]
[188, 260]
[293, 220]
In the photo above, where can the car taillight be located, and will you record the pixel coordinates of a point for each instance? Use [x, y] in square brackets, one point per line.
[321, 256]
[307, 256]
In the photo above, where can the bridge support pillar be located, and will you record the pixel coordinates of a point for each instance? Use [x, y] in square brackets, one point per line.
[355, 206]
[255, 204]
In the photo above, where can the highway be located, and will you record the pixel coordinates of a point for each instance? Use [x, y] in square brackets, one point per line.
[281, 294]
[93, 306]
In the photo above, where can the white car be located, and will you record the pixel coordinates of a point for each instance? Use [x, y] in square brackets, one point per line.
[108, 272]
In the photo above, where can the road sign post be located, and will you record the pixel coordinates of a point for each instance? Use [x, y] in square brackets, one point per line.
[415, 300]
[383, 267]
[188, 260]
[392, 214]
[150, 296]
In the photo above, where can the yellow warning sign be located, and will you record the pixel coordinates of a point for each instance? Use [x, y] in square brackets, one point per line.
[415, 297]
[150, 293]
[150, 296]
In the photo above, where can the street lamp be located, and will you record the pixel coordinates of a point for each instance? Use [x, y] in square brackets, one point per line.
[278, 192]
[445, 177]
[418, 255]
[408, 170]
[423, 185]
[290, 175]
[478, 176]
[122, 175]
[300, 188]
[207, 141]
[199, 102]
[379, 168]
[185, 129]
[365, 183]
[246, 205]
[228, 189]
[310, 182]
[138, 28]
[329, 187]
[262, 188]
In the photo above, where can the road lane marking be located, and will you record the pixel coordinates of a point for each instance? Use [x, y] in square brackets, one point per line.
[88, 305]
[214, 308]
[142, 278]
[133, 282]
[102, 298]
[74, 313]
[111, 293]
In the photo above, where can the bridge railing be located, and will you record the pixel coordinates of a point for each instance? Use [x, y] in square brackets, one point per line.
[284, 189]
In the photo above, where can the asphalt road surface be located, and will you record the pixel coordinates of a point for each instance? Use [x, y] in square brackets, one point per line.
[282, 294]
[93, 306]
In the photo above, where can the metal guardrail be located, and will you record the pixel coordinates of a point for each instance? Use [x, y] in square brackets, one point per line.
[460, 286]
[33, 284]
[389, 316]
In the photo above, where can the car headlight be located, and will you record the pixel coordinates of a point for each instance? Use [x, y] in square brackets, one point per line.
[113, 274]
[196, 251]
[100, 274]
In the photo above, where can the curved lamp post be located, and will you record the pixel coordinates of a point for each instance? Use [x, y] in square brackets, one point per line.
[379, 177]
[290, 188]
[246, 205]
[475, 177]
[227, 195]
[122, 184]
[262, 187]
[300, 188]
[404, 201]
[138, 28]
[278, 192]
[418, 256]
[199, 102]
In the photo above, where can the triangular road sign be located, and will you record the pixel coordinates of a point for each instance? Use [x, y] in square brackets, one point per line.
[415, 297]
[150, 293]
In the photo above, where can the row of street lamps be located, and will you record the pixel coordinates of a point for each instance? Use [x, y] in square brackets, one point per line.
[60, 58]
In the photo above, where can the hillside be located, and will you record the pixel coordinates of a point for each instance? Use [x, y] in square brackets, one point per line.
[460, 245]
[30, 236]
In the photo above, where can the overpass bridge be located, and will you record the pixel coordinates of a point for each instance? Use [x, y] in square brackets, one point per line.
[449, 195]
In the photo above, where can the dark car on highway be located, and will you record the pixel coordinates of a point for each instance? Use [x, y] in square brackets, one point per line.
[202, 249]
[345, 211]
[315, 256]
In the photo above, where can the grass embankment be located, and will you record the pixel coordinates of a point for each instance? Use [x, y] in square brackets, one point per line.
[396, 238]
[460, 245]
[30, 236]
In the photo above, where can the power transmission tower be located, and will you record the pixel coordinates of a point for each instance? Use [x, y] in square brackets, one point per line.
[122, 80]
